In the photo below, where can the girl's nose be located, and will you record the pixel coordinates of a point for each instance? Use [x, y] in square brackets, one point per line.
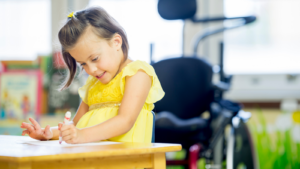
[93, 69]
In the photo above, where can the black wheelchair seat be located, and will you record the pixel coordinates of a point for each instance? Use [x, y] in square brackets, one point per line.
[169, 120]
[171, 129]
[187, 83]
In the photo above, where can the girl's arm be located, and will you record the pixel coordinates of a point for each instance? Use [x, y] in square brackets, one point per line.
[136, 91]
[83, 108]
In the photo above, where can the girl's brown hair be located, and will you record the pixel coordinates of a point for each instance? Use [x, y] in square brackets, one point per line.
[103, 26]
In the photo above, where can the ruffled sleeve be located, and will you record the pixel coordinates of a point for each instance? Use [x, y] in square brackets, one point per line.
[156, 92]
[84, 90]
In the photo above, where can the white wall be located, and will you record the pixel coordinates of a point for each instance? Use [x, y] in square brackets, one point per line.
[245, 87]
[264, 88]
[60, 9]
[209, 48]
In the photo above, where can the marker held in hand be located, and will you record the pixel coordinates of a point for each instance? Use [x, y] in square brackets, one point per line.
[66, 121]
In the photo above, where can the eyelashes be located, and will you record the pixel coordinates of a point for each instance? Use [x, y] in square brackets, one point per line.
[83, 64]
[95, 59]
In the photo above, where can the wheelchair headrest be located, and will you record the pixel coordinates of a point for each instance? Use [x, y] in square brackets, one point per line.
[176, 9]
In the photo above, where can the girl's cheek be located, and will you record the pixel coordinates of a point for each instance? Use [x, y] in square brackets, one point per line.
[86, 70]
[100, 65]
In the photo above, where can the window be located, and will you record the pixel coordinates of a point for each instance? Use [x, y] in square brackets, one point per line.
[144, 26]
[25, 30]
[268, 46]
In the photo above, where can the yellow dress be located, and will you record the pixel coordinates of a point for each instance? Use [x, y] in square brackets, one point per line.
[104, 101]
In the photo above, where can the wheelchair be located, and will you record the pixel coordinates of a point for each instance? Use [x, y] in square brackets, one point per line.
[189, 92]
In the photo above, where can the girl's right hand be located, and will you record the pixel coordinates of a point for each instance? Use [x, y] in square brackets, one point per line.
[35, 131]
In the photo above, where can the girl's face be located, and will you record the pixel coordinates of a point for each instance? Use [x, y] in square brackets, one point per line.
[99, 57]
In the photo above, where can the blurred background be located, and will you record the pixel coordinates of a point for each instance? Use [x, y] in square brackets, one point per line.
[263, 57]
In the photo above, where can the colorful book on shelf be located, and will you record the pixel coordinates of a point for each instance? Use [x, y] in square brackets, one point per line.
[2, 68]
[12, 67]
[46, 63]
[20, 94]
[58, 61]
[20, 64]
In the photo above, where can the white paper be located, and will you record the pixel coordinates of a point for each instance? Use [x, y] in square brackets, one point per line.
[55, 143]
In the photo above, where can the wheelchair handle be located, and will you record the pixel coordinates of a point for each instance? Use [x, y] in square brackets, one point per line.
[247, 20]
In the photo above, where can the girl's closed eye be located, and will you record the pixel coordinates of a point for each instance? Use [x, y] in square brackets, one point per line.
[83, 64]
[95, 59]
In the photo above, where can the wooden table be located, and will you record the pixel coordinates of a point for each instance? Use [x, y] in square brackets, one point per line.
[15, 154]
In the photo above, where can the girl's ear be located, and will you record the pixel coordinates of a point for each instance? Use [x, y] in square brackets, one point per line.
[117, 41]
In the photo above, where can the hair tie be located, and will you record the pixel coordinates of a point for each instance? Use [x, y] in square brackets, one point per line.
[71, 15]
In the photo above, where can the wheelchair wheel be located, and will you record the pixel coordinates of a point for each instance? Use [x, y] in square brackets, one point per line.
[240, 149]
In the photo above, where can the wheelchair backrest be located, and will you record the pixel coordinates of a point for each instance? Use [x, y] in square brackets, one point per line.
[187, 83]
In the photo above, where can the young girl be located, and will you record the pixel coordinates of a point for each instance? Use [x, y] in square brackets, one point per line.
[119, 93]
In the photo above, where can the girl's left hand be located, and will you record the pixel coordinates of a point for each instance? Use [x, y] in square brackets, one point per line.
[71, 134]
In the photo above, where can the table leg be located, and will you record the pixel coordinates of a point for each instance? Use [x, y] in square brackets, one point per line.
[159, 161]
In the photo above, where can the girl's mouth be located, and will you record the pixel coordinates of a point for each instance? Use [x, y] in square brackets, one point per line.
[99, 77]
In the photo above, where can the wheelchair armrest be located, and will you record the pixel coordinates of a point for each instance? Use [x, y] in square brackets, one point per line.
[222, 86]
[227, 79]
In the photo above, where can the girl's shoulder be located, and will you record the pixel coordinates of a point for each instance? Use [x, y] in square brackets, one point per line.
[156, 92]
[134, 66]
